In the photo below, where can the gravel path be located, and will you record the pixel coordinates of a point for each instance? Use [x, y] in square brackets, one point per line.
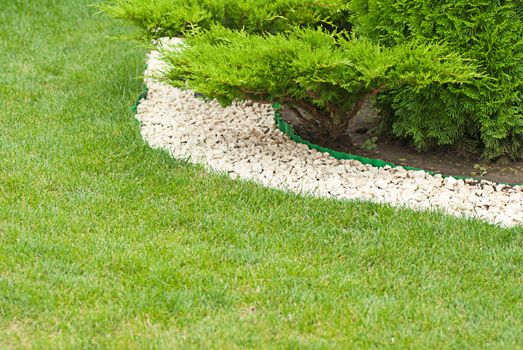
[243, 141]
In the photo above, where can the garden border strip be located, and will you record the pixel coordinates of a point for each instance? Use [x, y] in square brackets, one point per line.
[143, 94]
[288, 130]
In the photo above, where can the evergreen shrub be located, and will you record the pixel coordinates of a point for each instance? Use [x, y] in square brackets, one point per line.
[443, 73]
[324, 77]
[176, 17]
[486, 116]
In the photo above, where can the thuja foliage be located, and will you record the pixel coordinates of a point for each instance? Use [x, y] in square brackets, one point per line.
[487, 115]
[176, 17]
[324, 77]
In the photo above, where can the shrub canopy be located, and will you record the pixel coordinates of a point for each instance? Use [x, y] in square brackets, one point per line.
[175, 17]
[325, 75]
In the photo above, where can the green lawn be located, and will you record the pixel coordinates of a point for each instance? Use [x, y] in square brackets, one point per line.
[105, 243]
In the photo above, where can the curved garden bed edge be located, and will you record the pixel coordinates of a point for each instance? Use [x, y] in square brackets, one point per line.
[288, 130]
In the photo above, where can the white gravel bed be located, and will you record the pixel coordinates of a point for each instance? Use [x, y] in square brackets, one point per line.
[243, 141]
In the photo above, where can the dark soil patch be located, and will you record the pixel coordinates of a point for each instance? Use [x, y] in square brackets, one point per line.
[359, 141]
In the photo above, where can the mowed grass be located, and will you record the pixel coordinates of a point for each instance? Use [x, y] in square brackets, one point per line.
[105, 243]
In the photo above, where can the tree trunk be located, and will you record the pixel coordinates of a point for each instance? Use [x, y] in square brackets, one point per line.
[312, 120]
[331, 122]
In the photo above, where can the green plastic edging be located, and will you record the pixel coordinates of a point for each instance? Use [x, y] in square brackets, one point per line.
[143, 95]
[287, 129]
